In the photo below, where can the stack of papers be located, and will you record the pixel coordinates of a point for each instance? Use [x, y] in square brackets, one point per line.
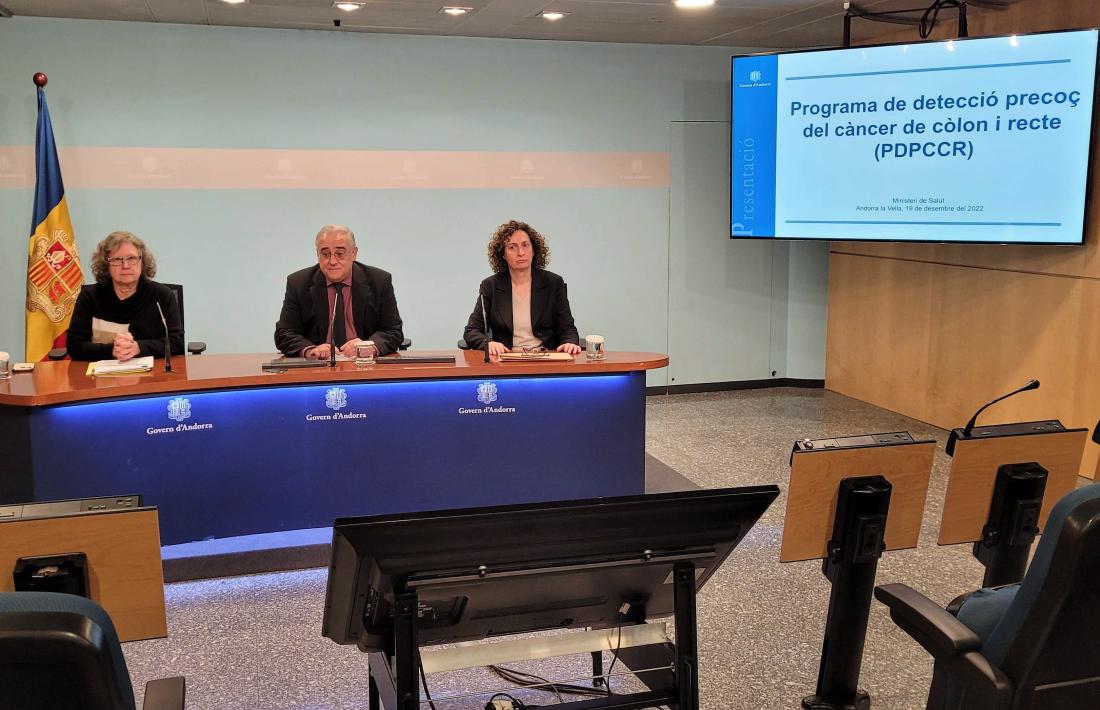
[137, 365]
[521, 357]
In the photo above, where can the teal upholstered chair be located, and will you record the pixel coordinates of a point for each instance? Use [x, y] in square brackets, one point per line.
[61, 652]
[1033, 645]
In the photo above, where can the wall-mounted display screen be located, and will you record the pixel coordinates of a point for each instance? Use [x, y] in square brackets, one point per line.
[978, 140]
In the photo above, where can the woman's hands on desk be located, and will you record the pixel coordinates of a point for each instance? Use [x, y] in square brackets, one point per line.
[125, 347]
[496, 348]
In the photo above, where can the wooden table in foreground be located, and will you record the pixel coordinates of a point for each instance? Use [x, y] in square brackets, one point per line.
[224, 448]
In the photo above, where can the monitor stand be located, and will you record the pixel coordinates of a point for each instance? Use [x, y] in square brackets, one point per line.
[395, 680]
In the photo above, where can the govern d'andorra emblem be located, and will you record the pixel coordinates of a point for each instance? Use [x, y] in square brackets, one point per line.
[336, 398]
[179, 409]
[487, 393]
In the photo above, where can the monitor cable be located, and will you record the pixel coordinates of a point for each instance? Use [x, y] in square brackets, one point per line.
[931, 16]
[424, 679]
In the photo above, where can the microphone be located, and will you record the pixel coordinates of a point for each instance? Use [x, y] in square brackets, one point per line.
[332, 336]
[964, 433]
[485, 322]
[167, 340]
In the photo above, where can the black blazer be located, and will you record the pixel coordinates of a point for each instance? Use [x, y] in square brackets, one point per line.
[305, 316]
[551, 319]
[98, 300]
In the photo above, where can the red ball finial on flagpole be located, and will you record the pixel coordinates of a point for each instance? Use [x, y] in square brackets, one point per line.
[40, 79]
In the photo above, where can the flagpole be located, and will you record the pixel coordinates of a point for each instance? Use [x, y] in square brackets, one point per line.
[54, 276]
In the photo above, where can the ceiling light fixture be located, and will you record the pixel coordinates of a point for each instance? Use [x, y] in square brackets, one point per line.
[455, 10]
[552, 15]
[693, 3]
[348, 6]
[234, 2]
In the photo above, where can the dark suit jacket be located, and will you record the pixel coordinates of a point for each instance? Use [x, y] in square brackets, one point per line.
[305, 317]
[551, 319]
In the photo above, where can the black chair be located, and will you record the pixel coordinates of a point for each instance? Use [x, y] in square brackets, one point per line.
[1032, 645]
[61, 652]
[195, 347]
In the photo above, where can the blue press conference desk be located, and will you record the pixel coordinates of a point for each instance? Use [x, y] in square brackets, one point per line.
[224, 449]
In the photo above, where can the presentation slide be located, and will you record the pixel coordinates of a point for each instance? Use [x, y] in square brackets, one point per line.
[982, 140]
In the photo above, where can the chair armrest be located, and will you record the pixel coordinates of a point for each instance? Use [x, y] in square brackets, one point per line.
[462, 345]
[58, 354]
[940, 633]
[165, 694]
[196, 347]
[405, 344]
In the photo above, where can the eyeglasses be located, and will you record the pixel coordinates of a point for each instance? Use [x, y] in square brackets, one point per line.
[531, 351]
[339, 254]
[123, 260]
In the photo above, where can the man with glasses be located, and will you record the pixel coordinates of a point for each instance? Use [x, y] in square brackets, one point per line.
[338, 300]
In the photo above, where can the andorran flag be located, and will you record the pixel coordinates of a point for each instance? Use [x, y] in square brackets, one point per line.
[54, 277]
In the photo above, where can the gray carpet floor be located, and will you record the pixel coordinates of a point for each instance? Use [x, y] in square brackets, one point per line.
[254, 641]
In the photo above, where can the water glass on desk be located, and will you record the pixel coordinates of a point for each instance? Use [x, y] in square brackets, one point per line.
[364, 354]
[594, 347]
[5, 366]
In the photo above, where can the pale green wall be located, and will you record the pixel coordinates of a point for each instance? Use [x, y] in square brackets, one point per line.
[137, 84]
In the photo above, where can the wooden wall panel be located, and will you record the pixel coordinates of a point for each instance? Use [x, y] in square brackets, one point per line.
[994, 331]
[990, 316]
[936, 342]
[879, 330]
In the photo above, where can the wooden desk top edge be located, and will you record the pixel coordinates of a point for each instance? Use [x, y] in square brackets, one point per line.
[64, 382]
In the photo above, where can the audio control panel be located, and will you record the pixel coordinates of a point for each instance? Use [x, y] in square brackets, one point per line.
[862, 441]
[1045, 426]
[851, 442]
[68, 507]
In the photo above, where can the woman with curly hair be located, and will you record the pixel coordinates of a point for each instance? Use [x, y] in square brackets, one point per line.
[117, 316]
[526, 305]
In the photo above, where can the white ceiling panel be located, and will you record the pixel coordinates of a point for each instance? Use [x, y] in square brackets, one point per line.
[760, 24]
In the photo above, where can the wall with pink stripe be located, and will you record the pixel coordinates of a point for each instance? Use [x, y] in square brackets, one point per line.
[227, 148]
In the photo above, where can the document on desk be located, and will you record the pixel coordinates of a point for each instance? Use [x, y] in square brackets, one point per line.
[288, 363]
[536, 357]
[100, 368]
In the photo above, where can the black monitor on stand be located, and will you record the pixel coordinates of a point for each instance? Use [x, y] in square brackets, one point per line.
[398, 582]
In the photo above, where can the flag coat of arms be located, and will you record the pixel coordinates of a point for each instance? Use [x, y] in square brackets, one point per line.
[54, 276]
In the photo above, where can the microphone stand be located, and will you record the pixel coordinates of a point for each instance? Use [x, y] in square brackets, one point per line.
[485, 322]
[167, 340]
[332, 337]
[965, 432]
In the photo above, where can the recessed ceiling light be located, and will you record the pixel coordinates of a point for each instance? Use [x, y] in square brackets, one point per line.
[234, 2]
[348, 6]
[552, 15]
[455, 10]
[693, 3]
